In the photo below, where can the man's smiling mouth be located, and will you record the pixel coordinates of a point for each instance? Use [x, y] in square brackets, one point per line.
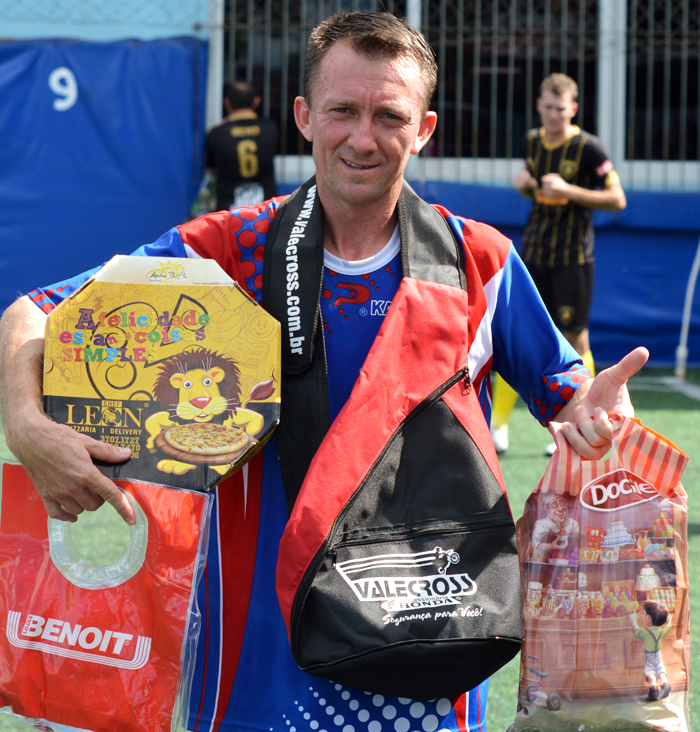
[356, 166]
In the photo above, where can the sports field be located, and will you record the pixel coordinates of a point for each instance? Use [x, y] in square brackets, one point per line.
[665, 405]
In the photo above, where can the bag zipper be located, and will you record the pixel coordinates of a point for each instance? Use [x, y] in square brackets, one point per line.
[305, 584]
[486, 521]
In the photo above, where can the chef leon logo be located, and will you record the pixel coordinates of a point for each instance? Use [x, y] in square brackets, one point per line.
[616, 490]
[60, 638]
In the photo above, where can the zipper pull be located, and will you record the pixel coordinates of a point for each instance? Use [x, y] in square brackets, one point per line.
[334, 556]
[467, 378]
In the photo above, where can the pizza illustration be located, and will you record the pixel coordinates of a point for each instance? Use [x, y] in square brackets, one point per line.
[206, 439]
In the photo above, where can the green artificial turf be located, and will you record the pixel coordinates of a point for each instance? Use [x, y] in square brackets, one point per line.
[674, 415]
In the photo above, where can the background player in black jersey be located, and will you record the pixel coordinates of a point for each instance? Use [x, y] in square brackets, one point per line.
[567, 174]
[240, 151]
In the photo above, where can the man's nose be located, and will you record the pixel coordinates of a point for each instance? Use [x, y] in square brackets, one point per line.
[362, 139]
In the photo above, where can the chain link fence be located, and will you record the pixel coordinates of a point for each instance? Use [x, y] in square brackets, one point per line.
[492, 55]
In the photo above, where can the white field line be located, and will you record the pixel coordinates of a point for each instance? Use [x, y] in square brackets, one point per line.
[664, 383]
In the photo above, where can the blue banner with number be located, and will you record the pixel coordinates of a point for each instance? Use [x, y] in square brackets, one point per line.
[101, 151]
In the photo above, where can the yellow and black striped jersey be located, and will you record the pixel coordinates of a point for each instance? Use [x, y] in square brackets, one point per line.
[559, 232]
[241, 152]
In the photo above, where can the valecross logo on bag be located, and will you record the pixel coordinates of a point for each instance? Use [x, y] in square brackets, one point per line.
[392, 581]
[616, 490]
[60, 638]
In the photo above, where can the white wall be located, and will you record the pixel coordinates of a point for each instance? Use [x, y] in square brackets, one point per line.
[103, 20]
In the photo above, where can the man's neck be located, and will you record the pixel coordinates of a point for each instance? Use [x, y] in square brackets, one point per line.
[565, 134]
[241, 114]
[359, 239]
[355, 233]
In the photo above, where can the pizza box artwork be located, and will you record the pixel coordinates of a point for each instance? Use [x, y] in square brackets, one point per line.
[171, 358]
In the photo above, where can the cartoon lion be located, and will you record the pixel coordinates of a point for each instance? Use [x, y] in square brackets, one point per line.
[199, 386]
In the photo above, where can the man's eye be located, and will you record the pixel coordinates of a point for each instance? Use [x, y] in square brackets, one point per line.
[341, 110]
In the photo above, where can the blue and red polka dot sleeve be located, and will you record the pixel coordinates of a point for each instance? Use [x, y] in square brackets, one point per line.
[47, 298]
[558, 389]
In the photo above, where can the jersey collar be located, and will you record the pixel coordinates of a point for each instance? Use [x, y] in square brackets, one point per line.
[364, 266]
[575, 130]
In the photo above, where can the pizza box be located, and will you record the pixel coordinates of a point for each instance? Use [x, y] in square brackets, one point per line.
[171, 358]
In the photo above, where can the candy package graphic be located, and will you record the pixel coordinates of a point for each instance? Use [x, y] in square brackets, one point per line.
[99, 648]
[603, 548]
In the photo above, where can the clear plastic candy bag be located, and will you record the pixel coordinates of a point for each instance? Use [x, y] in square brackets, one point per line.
[603, 549]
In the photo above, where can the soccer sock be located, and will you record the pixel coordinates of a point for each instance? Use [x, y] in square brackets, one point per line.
[588, 362]
[504, 399]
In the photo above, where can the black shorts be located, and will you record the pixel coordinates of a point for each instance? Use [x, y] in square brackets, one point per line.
[567, 294]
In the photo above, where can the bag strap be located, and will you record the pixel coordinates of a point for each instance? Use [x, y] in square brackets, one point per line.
[291, 292]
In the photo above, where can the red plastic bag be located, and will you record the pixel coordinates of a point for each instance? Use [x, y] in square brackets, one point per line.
[98, 648]
[603, 547]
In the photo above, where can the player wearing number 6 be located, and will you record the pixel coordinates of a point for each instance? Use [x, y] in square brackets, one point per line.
[241, 150]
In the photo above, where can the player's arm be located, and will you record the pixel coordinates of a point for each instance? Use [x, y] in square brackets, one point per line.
[610, 198]
[58, 460]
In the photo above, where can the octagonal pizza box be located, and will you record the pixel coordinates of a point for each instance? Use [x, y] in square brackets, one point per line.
[171, 358]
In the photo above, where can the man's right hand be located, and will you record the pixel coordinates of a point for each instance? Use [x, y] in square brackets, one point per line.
[59, 462]
[525, 183]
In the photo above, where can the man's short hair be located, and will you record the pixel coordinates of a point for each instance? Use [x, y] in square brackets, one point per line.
[376, 35]
[240, 94]
[559, 84]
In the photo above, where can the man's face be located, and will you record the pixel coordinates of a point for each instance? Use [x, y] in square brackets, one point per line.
[558, 510]
[365, 119]
[556, 112]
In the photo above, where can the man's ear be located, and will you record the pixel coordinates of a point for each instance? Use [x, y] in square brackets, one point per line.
[302, 116]
[425, 131]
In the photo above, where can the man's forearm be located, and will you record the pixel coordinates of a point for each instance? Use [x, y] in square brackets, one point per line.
[609, 199]
[21, 363]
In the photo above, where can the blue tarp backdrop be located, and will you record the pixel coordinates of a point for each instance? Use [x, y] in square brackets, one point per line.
[101, 151]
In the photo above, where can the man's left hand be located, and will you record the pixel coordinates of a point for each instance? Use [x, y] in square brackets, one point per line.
[554, 186]
[584, 420]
